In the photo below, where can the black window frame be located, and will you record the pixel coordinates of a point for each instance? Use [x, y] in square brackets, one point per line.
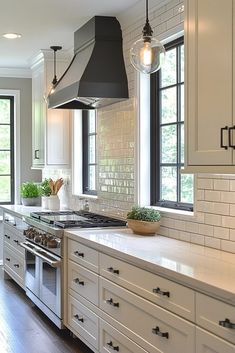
[155, 138]
[85, 157]
[12, 152]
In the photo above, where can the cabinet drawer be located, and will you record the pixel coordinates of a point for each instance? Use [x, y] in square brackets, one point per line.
[209, 314]
[208, 343]
[168, 294]
[14, 265]
[13, 239]
[112, 340]
[159, 329]
[83, 321]
[83, 281]
[83, 255]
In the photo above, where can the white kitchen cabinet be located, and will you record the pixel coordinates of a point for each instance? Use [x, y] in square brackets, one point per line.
[51, 127]
[209, 111]
[209, 343]
[13, 253]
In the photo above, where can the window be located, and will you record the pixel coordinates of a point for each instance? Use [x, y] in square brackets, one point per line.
[169, 188]
[89, 152]
[6, 149]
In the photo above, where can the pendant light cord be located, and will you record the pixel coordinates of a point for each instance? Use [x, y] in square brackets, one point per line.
[147, 30]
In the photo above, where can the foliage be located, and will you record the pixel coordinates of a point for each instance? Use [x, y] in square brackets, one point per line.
[29, 190]
[44, 188]
[144, 214]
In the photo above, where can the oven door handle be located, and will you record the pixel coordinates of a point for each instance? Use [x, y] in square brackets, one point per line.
[53, 263]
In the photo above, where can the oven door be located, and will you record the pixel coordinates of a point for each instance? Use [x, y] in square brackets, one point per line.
[43, 276]
[50, 285]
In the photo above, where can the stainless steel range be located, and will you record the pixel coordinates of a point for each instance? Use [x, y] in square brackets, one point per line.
[44, 254]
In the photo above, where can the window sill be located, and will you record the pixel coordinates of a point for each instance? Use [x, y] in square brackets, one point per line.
[171, 211]
[87, 196]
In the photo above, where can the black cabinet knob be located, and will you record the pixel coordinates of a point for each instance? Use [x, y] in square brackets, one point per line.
[227, 323]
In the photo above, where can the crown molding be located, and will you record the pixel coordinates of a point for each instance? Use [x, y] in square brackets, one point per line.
[15, 72]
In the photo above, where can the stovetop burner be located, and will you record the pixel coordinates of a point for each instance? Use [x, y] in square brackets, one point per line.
[79, 219]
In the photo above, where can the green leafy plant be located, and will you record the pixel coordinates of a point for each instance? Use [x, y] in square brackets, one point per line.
[44, 188]
[29, 190]
[144, 214]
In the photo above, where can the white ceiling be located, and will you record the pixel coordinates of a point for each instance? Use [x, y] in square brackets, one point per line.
[43, 23]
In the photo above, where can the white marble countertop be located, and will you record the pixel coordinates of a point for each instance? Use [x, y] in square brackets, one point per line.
[207, 270]
[21, 210]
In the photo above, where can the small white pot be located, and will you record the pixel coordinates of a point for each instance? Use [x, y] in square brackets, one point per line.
[53, 203]
[45, 202]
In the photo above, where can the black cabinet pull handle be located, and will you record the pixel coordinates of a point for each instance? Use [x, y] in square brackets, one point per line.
[230, 136]
[16, 265]
[16, 241]
[222, 137]
[80, 254]
[157, 331]
[79, 318]
[8, 259]
[81, 283]
[7, 236]
[110, 344]
[159, 291]
[112, 270]
[227, 323]
[111, 302]
[36, 154]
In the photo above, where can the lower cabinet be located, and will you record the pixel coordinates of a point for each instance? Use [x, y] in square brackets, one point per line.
[209, 343]
[109, 305]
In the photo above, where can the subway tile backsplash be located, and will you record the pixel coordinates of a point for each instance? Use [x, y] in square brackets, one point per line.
[213, 221]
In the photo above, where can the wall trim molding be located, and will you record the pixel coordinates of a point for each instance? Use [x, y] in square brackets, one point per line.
[15, 72]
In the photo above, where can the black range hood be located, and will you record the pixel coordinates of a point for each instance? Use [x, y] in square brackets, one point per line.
[96, 77]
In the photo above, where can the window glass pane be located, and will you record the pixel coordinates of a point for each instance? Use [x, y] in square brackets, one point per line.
[5, 162]
[168, 144]
[168, 183]
[182, 144]
[168, 74]
[168, 105]
[187, 188]
[91, 151]
[5, 187]
[91, 177]
[182, 103]
[92, 122]
[182, 63]
[5, 137]
[4, 111]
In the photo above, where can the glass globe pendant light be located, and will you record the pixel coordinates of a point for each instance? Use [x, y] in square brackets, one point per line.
[147, 53]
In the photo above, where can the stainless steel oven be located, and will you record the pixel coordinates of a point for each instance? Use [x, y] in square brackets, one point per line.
[43, 276]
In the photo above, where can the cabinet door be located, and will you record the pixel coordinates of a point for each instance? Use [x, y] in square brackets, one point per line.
[208, 343]
[209, 64]
[38, 117]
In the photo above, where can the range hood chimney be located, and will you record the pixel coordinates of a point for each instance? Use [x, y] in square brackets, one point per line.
[96, 77]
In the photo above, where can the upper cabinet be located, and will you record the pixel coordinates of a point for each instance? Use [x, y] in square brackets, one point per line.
[210, 83]
[50, 127]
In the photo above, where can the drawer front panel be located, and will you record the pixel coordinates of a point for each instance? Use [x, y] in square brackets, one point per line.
[211, 315]
[83, 282]
[14, 265]
[83, 255]
[168, 294]
[83, 321]
[13, 238]
[208, 343]
[112, 340]
[161, 330]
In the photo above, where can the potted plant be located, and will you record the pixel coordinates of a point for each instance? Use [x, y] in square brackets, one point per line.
[30, 194]
[143, 220]
[45, 192]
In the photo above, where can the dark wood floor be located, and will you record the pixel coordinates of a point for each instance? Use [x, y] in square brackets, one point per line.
[25, 329]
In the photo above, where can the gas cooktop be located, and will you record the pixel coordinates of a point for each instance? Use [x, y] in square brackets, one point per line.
[79, 219]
